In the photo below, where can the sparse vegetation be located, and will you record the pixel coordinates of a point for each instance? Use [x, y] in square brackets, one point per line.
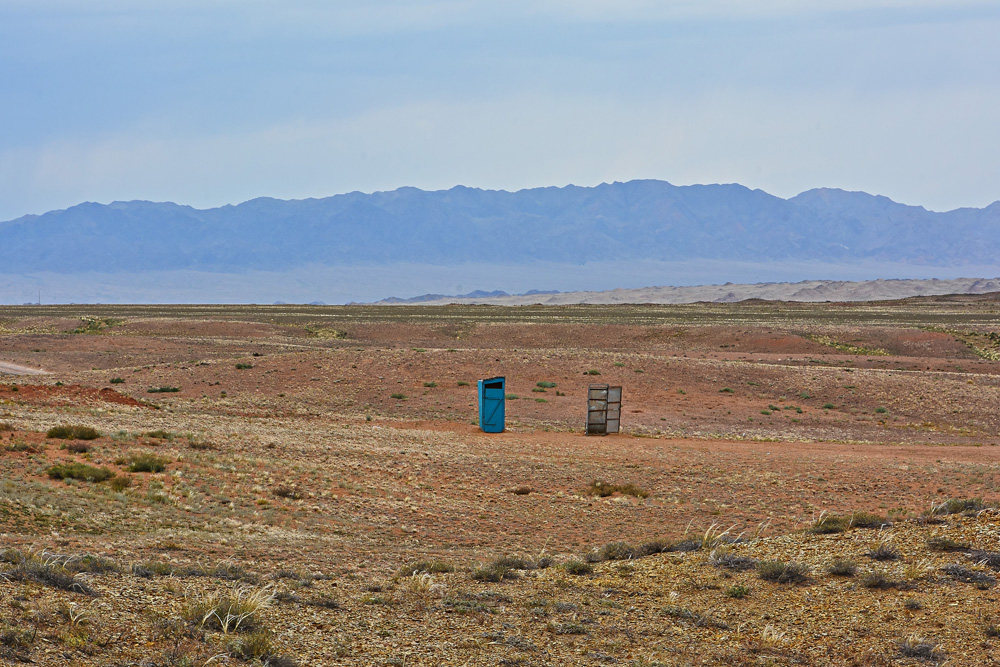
[145, 462]
[737, 591]
[724, 557]
[879, 580]
[939, 543]
[783, 573]
[236, 610]
[958, 506]
[578, 568]
[604, 489]
[918, 647]
[426, 567]
[362, 497]
[288, 491]
[163, 390]
[72, 433]
[843, 567]
[884, 549]
[80, 471]
[982, 580]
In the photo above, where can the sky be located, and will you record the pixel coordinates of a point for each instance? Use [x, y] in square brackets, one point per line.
[211, 102]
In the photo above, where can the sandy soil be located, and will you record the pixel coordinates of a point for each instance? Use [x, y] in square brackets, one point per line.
[343, 442]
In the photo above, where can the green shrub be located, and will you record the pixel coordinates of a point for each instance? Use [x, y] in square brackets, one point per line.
[957, 505]
[842, 567]
[152, 568]
[868, 520]
[120, 483]
[578, 568]
[546, 385]
[16, 639]
[463, 383]
[881, 410]
[603, 489]
[511, 397]
[828, 523]
[244, 367]
[828, 406]
[883, 551]
[592, 371]
[504, 567]
[514, 563]
[426, 566]
[163, 390]
[93, 563]
[722, 557]
[160, 434]
[117, 380]
[783, 573]
[401, 397]
[431, 384]
[737, 591]
[41, 569]
[494, 573]
[726, 390]
[946, 544]
[878, 580]
[146, 462]
[654, 546]
[234, 611]
[80, 471]
[620, 551]
[571, 628]
[695, 618]
[72, 433]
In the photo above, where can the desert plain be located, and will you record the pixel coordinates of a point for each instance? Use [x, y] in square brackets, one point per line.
[794, 484]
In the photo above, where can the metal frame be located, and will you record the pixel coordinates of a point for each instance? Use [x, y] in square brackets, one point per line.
[604, 409]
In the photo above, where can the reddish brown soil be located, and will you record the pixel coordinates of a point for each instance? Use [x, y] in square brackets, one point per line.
[287, 453]
[50, 395]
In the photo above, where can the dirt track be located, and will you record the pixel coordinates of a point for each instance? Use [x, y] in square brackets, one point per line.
[13, 369]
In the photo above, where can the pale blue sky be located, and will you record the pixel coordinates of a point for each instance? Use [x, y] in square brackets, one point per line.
[211, 102]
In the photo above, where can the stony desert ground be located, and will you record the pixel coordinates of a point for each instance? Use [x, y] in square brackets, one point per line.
[795, 484]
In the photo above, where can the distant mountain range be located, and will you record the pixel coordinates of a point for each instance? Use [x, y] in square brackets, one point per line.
[475, 296]
[805, 291]
[618, 222]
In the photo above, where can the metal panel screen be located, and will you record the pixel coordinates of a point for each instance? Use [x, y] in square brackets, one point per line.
[604, 408]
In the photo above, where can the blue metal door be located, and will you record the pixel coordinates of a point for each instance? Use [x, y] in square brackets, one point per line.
[491, 405]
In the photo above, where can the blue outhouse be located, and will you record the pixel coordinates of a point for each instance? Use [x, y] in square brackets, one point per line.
[491, 405]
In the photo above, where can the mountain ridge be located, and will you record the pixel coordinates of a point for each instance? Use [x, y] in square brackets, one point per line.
[634, 220]
[801, 291]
